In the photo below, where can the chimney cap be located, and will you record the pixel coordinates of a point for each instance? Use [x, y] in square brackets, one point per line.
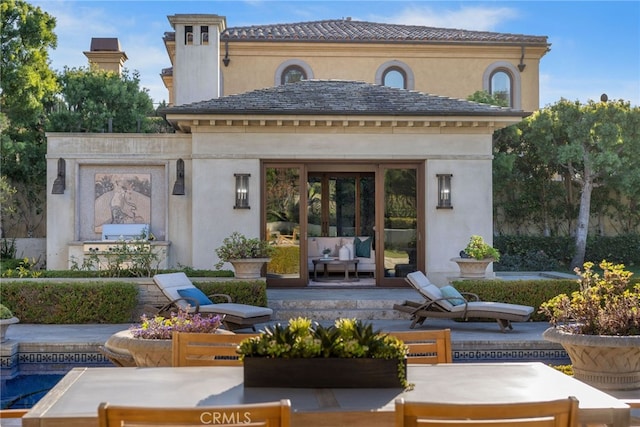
[105, 44]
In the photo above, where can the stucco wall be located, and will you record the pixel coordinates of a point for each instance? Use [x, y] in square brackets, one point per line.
[445, 70]
[197, 222]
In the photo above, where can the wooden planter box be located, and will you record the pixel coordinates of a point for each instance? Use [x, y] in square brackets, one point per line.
[322, 373]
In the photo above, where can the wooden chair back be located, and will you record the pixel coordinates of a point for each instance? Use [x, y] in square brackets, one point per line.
[426, 347]
[270, 414]
[12, 413]
[201, 349]
[556, 413]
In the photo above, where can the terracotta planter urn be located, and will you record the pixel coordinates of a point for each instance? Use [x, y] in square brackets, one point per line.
[125, 350]
[122, 349]
[603, 361]
[248, 268]
[471, 267]
[4, 325]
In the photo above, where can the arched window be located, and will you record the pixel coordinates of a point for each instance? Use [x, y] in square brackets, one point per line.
[502, 80]
[292, 70]
[394, 77]
[292, 74]
[395, 74]
[500, 86]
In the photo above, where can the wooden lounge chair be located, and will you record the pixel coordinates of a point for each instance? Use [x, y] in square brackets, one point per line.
[447, 303]
[554, 413]
[199, 349]
[270, 414]
[427, 346]
[184, 295]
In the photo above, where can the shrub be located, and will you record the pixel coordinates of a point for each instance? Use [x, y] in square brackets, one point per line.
[604, 304]
[68, 303]
[531, 261]
[524, 292]
[5, 313]
[161, 328]
[285, 260]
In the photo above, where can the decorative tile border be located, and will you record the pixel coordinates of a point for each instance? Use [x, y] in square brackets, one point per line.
[33, 362]
[548, 356]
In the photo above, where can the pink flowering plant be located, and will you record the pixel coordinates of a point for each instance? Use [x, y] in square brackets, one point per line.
[161, 328]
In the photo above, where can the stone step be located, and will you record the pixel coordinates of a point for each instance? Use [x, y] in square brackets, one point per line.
[331, 309]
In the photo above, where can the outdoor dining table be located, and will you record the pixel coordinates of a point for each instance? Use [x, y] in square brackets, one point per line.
[75, 399]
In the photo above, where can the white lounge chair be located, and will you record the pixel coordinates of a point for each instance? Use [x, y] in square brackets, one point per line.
[184, 295]
[448, 303]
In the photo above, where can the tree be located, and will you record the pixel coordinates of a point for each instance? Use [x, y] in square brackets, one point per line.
[596, 143]
[92, 98]
[484, 97]
[26, 84]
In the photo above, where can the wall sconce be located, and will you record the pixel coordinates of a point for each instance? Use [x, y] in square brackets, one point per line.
[444, 191]
[242, 190]
[178, 186]
[59, 184]
[522, 65]
[226, 58]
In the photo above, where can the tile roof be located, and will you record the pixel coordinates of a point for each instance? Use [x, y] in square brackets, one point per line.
[330, 97]
[346, 30]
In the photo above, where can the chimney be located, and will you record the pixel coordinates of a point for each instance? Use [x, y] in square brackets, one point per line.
[105, 53]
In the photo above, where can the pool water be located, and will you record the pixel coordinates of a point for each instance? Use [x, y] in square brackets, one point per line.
[24, 391]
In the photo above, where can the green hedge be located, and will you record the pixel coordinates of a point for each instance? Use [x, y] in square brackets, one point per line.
[70, 303]
[524, 292]
[252, 292]
[539, 253]
[285, 260]
[39, 302]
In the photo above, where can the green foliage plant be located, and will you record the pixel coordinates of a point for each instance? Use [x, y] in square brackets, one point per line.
[346, 338]
[23, 269]
[90, 97]
[5, 313]
[478, 249]
[532, 292]
[51, 301]
[125, 258]
[605, 304]
[238, 246]
[162, 328]
[27, 87]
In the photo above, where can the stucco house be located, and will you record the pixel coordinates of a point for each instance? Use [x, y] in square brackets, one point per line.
[313, 135]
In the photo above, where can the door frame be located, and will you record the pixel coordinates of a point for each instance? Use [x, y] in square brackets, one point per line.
[348, 166]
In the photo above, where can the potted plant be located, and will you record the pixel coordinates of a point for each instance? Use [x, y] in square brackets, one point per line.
[6, 319]
[149, 342]
[246, 255]
[476, 257]
[599, 327]
[306, 354]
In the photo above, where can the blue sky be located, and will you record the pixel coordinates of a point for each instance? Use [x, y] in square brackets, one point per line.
[595, 45]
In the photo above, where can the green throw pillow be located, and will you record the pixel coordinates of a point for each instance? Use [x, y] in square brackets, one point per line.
[362, 247]
[195, 294]
[451, 292]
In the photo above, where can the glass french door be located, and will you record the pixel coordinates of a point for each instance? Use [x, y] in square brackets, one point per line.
[306, 200]
[340, 204]
[400, 219]
[282, 213]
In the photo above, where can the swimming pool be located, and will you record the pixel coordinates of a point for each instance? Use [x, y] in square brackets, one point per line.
[24, 391]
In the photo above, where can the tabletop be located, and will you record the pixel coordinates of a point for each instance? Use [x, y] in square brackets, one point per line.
[75, 399]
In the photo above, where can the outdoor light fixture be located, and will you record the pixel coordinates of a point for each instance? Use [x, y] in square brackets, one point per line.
[242, 190]
[522, 65]
[178, 186]
[59, 183]
[444, 191]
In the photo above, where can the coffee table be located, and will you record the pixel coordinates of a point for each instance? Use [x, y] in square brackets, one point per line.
[334, 261]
